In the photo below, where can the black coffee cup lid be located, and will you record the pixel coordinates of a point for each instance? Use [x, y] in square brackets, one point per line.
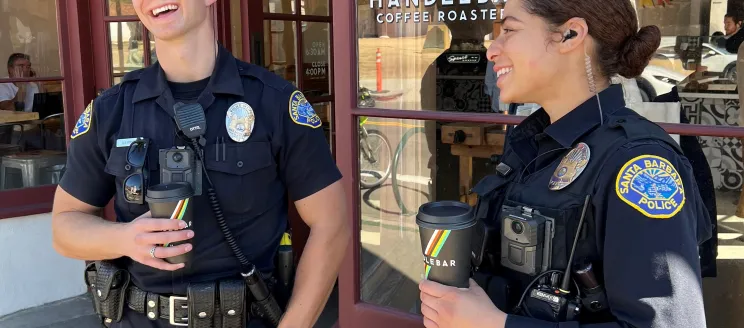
[169, 192]
[446, 214]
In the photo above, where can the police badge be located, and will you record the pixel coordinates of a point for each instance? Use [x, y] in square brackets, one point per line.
[239, 121]
[570, 167]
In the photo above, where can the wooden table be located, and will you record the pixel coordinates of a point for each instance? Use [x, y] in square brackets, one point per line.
[15, 117]
[470, 140]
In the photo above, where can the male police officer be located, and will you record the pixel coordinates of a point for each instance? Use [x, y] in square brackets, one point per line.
[263, 141]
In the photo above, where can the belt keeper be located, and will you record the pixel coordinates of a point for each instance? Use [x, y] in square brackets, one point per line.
[152, 306]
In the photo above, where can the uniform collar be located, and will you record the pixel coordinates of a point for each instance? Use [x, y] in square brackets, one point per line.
[225, 79]
[584, 118]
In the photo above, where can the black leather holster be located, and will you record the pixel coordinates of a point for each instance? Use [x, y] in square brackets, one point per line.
[107, 286]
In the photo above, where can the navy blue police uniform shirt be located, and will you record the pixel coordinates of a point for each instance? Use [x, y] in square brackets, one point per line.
[286, 158]
[649, 253]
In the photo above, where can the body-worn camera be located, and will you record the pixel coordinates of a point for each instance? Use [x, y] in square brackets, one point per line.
[526, 239]
[179, 164]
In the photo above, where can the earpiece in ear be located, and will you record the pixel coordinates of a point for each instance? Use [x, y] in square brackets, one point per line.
[570, 34]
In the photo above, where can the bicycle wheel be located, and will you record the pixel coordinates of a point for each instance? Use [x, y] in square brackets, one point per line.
[396, 162]
[375, 159]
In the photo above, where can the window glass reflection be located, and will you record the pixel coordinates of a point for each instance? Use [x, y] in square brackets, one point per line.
[127, 48]
[120, 8]
[406, 163]
[32, 129]
[316, 57]
[279, 6]
[433, 57]
[29, 28]
[280, 39]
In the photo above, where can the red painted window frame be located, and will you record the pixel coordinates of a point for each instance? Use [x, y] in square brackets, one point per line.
[71, 16]
[352, 311]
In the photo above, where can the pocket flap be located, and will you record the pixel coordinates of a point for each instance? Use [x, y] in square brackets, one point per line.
[238, 158]
[117, 162]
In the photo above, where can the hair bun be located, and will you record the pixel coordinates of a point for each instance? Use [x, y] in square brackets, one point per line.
[637, 51]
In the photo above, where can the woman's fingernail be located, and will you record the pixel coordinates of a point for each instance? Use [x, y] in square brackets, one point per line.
[190, 234]
[182, 224]
[188, 248]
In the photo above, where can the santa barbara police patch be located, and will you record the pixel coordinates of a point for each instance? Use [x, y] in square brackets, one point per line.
[651, 185]
[83, 123]
[302, 112]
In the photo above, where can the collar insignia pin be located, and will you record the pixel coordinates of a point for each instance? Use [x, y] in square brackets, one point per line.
[239, 121]
[571, 166]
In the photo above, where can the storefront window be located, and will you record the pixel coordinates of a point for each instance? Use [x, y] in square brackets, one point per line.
[431, 55]
[315, 7]
[236, 29]
[32, 132]
[127, 48]
[406, 163]
[120, 8]
[279, 6]
[281, 39]
[316, 47]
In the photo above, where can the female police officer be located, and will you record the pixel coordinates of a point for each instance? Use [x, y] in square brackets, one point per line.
[582, 155]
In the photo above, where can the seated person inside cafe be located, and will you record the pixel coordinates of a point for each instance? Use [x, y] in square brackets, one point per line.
[202, 154]
[616, 191]
[18, 95]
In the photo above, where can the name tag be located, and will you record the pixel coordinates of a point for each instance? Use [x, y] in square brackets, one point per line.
[124, 142]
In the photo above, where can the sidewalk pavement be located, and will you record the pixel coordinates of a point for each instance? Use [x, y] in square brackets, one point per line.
[77, 312]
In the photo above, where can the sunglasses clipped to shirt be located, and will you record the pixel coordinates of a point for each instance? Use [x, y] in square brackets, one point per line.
[135, 183]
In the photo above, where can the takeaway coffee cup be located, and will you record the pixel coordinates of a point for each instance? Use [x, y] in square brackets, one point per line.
[172, 201]
[446, 228]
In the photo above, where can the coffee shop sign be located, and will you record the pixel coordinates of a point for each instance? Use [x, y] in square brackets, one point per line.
[441, 15]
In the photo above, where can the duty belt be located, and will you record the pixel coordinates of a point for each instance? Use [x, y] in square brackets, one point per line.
[208, 309]
[221, 304]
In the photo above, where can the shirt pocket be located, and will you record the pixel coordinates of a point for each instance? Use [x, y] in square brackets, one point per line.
[244, 176]
[117, 166]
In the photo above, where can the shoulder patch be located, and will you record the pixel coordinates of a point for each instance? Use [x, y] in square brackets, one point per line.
[302, 112]
[83, 123]
[651, 185]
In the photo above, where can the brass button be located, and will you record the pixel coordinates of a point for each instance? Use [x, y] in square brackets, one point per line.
[151, 303]
[151, 315]
[231, 312]
[202, 314]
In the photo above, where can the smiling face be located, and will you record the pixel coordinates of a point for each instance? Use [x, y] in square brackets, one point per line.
[526, 60]
[171, 19]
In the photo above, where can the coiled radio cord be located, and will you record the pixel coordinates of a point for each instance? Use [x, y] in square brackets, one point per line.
[265, 303]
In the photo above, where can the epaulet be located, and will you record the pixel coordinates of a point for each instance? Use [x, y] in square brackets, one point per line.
[637, 127]
[265, 76]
